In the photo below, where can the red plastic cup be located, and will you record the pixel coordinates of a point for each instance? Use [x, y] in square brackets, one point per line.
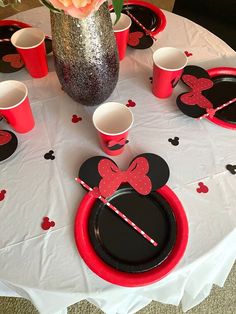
[121, 31]
[113, 122]
[168, 65]
[15, 106]
[29, 42]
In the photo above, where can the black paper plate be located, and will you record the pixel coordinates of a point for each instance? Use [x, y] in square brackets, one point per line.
[121, 246]
[224, 86]
[10, 60]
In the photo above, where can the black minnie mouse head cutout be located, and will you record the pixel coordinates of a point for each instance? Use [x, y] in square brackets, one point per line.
[207, 97]
[8, 144]
[146, 173]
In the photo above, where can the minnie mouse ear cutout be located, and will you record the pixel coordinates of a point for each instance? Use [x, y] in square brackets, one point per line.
[197, 102]
[88, 171]
[146, 173]
[158, 172]
[8, 144]
[194, 103]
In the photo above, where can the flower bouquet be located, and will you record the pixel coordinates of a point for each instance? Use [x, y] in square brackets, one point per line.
[75, 8]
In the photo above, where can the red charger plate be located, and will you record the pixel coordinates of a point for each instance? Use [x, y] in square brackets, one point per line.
[162, 19]
[161, 16]
[217, 72]
[108, 273]
[14, 23]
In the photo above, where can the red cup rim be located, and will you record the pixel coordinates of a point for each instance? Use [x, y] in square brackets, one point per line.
[123, 29]
[169, 69]
[19, 102]
[118, 133]
[27, 29]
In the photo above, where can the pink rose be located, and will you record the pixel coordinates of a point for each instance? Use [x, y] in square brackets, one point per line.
[77, 8]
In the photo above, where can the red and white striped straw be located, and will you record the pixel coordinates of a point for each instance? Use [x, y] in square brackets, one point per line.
[4, 39]
[218, 108]
[148, 32]
[119, 213]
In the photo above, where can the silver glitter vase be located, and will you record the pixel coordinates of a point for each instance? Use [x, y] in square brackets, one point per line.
[85, 55]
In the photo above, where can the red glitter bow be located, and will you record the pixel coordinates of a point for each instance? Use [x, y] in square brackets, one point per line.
[194, 97]
[135, 175]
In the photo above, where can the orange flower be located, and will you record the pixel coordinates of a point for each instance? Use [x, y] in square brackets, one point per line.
[77, 8]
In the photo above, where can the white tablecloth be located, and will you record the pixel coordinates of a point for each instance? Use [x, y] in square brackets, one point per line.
[44, 266]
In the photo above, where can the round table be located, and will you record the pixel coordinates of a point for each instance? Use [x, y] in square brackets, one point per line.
[45, 266]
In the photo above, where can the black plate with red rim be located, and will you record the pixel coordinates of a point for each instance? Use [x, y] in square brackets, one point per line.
[10, 60]
[223, 90]
[172, 215]
[8, 144]
[150, 16]
[121, 246]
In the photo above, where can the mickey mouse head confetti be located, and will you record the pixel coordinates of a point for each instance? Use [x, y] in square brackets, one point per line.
[49, 155]
[174, 141]
[47, 224]
[75, 118]
[188, 54]
[202, 188]
[231, 168]
[2, 194]
[130, 103]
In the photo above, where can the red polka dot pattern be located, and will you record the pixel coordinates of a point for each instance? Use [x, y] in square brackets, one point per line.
[194, 97]
[136, 176]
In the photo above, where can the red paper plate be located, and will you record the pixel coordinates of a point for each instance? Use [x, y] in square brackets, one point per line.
[14, 23]
[218, 73]
[161, 23]
[158, 12]
[110, 274]
[147, 16]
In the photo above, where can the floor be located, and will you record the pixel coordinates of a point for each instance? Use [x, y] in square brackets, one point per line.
[220, 301]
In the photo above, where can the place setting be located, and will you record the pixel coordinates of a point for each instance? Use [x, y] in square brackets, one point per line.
[130, 227]
[143, 20]
[28, 49]
[10, 59]
[15, 111]
[211, 95]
